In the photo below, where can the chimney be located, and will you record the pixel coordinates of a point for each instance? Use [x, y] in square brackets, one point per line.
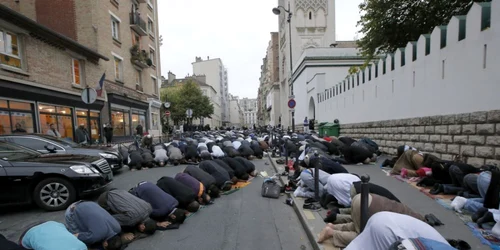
[171, 77]
[208, 58]
[198, 59]
[201, 78]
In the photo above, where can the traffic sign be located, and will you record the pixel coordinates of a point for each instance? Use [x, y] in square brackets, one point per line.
[167, 113]
[189, 112]
[166, 105]
[291, 103]
[89, 95]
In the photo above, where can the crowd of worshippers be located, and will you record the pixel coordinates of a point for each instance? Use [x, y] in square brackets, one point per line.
[192, 150]
[120, 216]
[477, 190]
[340, 194]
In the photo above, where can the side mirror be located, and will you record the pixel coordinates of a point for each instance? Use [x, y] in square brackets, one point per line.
[50, 148]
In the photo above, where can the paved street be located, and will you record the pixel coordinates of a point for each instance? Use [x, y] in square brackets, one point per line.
[241, 220]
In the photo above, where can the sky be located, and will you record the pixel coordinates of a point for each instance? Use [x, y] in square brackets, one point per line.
[236, 31]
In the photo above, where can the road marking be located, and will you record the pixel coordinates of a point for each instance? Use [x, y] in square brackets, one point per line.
[309, 215]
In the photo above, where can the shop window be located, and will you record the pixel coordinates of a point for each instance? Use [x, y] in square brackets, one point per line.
[61, 117]
[9, 49]
[95, 123]
[120, 120]
[16, 119]
[154, 121]
[19, 105]
[76, 71]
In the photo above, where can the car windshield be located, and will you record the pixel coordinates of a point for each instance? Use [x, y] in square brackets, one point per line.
[14, 152]
[65, 143]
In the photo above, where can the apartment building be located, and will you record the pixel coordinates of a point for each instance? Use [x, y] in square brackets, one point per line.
[236, 113]
[216, 76]
[249, 107]
[125, 36]
[207, 90]
[268, 97]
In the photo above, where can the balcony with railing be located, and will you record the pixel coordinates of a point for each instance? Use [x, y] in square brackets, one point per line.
[138, 24]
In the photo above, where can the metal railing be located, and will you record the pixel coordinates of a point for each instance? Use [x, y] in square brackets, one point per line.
[136, 20]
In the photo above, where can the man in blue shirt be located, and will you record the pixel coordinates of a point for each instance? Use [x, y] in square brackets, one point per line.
[164, 205]
[94, 226]
[50, 235]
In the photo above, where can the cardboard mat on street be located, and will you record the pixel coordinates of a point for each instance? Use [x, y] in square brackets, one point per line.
[484, 235]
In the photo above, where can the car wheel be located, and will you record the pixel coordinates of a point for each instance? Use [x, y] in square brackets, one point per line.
[53, 194]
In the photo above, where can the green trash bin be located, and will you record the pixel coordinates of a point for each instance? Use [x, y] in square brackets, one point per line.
[321, 128]
[331, 129]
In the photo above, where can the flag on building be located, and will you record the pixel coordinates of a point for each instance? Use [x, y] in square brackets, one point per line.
[100, 87]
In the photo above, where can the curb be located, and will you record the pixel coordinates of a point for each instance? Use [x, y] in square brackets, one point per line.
[310, 235]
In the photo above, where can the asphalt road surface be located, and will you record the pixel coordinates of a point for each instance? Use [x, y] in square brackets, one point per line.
[241, 220]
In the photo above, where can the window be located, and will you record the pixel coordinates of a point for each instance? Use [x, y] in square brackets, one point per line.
[310, 15]
[151, 26]
[118, 68]
[9, 49]
[150, 3]
[154, 121]
[136, 39]
[155, 85]
[76, 71]
[152, 55]
[120, 120]
[115, 28]
[61, 117]
[485, 53]
[32, 143]
[138, 78]
[16, 117]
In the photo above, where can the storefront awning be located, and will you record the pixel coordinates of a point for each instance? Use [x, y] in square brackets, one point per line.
[124, 101]
[31, 93]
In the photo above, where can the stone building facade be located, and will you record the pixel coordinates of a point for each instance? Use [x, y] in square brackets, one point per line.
[474, 135]
[125, 33]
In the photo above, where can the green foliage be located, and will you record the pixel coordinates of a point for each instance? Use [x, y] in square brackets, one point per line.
[391, 24]
[184, 97]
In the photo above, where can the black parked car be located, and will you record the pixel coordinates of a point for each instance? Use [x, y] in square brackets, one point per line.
[51, 144]
[52, 181]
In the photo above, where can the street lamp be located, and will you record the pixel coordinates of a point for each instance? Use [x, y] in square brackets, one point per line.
[277, 11]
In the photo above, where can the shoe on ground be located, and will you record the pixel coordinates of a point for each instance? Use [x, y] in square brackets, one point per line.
[309, 201]
[311, 207]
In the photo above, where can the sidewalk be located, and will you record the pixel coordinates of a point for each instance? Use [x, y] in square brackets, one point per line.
[454, 228]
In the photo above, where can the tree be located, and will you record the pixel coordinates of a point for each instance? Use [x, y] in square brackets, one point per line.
[184, 97]
[391, 24]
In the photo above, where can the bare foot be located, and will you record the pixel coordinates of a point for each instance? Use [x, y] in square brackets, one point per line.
[325, 234]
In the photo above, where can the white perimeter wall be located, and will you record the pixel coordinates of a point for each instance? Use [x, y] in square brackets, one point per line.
[459, 78]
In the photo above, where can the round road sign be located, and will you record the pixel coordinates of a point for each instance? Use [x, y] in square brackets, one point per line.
[291, 103]
[167, 113]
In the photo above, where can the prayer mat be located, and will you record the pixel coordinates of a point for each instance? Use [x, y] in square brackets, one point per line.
[230, 191]
[484, 235]
[240, 185]
[425, 190]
